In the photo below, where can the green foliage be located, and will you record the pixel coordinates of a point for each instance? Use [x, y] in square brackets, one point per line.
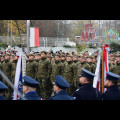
[3, 45]
[68, 46]
[91, 46]
[115, 46]
[80, 48]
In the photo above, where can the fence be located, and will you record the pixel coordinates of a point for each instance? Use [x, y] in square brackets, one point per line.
[43, 41]
[52, 41]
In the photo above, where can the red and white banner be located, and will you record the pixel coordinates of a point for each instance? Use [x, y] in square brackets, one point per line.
[106, 62]
[96, 81]
[34, 37]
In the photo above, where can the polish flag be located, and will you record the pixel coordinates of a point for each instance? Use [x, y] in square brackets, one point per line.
[34, 37]
[96, 81]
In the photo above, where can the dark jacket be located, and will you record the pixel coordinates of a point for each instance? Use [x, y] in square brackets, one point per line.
[2, 98]
[113, 93]
[32, 96]
[61, 95]
[87, 92]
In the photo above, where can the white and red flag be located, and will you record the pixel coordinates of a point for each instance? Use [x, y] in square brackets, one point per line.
[96, 81]
[34, 37]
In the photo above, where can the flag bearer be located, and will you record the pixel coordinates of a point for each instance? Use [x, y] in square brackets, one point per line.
[86, 90]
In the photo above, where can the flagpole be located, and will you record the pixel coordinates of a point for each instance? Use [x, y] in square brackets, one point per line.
[103, 71]
[28, 36]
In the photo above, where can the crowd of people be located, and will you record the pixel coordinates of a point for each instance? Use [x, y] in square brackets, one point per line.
[45, 66]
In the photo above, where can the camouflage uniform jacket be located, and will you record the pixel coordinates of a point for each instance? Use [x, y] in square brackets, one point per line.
[44, 69]
[31, 69]
[70, 72]
[57, 69]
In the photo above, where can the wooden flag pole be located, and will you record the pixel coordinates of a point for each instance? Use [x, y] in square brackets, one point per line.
[103, 71]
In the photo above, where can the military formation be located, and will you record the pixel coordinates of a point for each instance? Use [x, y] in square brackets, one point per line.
[48, 67]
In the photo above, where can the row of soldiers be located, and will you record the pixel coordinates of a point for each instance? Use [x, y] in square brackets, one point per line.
[45, 66]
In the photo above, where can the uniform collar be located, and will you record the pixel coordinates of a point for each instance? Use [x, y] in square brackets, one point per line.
[86, 85]
[61, 92]
[113, 88]
[32, 93]
[2, 97]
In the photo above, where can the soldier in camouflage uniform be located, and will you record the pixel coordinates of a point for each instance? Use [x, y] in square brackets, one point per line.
[6, 68]
[96, 54]
[112, 64]
[49, 57]
[92, 66]
[70, 73]
[31, 67]
[75, 60]
[78, 65]
[86, 53]
[63, 60]
[1, 63]
[53, 59]
[43, 76]
[13, 68]
[57, 68]
[84, 63]
[37, 57]
[116, 69]
[94, 61]
[12, 58]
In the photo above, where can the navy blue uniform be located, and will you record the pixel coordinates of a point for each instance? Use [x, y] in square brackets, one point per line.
[61, 95]
[3, 87]
[32, 96]
[113, 93]
[2, 98]
[87, 92]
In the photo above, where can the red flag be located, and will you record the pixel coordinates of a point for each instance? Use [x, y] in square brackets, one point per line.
[83, 35]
